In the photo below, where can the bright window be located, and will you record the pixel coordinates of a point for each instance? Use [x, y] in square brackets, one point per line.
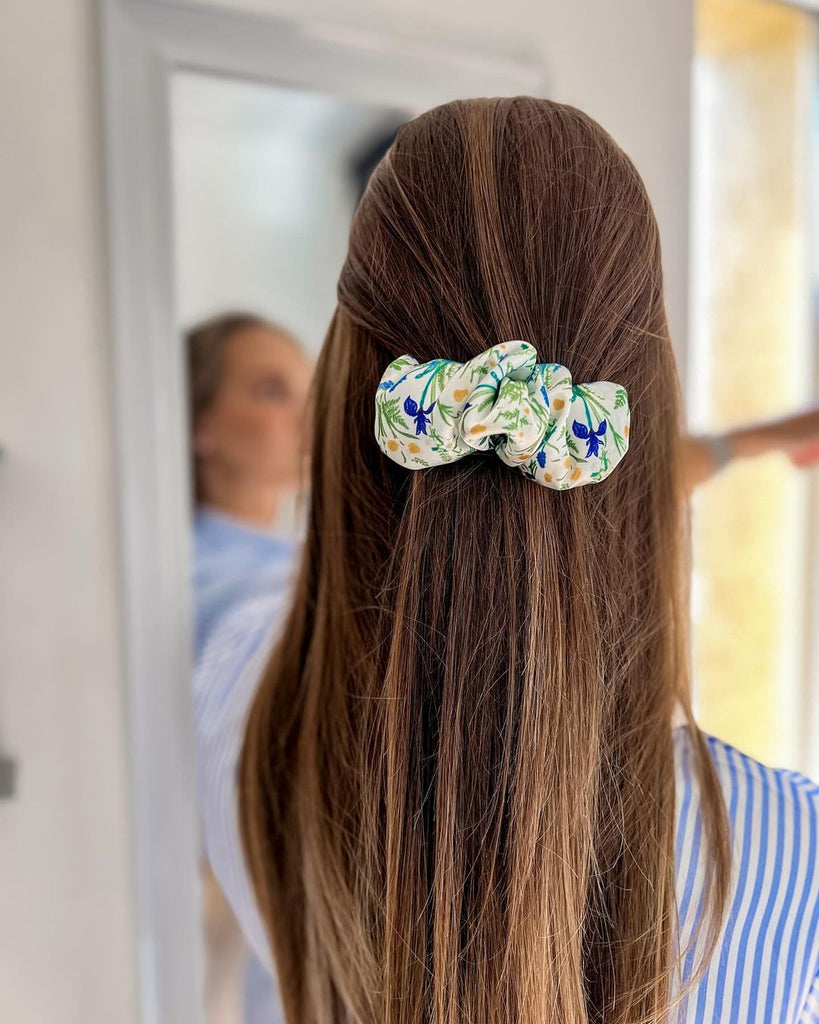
[752, 357]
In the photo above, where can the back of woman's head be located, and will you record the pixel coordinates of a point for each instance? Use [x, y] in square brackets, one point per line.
[458, 779]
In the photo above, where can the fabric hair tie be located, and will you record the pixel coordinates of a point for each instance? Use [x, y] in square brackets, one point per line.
[530, 414]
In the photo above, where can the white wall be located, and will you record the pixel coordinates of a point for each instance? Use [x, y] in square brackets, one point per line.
[67, 948]
[625, 62]
[263, 196]
[67, 952]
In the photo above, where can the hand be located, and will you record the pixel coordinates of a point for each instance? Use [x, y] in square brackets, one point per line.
[806, 456]
[798, 437]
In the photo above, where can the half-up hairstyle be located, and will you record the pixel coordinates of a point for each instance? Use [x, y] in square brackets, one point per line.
[457, 786]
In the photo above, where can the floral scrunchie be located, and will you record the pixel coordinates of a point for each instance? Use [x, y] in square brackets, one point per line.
[530, 414]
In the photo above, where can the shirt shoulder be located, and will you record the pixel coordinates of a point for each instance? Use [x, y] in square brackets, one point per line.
[743, 779]
[725, 754]
[768, 954]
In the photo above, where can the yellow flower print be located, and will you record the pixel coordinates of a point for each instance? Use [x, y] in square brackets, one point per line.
[421, 420]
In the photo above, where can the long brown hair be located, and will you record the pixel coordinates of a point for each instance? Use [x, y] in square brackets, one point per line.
[457, 786]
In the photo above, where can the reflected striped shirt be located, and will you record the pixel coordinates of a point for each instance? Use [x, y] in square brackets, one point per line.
[766, 966]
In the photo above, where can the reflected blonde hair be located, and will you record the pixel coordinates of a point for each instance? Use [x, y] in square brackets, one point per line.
[457, 786]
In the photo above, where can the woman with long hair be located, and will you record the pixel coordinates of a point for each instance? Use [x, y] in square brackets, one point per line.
[248, 380]
[472, 788]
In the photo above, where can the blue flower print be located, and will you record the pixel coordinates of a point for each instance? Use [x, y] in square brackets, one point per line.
[591, 436]
[502, 400]
[421, 416]
[391, 385]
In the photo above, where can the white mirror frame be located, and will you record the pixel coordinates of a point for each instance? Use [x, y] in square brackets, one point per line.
[143, 42]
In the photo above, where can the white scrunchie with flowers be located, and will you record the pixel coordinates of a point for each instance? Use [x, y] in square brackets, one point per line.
[557, 433]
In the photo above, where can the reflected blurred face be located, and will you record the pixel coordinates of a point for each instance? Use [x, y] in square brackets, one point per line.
[253, 430]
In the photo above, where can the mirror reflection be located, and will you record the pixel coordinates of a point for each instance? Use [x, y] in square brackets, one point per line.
[265, 183]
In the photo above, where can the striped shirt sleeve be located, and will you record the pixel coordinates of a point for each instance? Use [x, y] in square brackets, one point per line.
[225, 682]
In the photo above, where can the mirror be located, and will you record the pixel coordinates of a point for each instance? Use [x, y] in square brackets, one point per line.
[265, 180]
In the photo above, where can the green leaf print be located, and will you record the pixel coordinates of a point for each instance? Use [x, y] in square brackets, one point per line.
[510, 417]
[440, 371]
[440, 447]
[446, 413]
[541, 414]
[591, 400]
[390, 418]
[484, 401]
[619, 441]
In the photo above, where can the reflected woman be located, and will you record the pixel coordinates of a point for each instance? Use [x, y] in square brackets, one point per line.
[248, 383]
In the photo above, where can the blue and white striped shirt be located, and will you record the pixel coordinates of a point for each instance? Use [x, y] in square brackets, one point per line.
[766, 966]
[232, 562]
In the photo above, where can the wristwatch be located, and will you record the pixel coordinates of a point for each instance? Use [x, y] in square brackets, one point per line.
[720, 447]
